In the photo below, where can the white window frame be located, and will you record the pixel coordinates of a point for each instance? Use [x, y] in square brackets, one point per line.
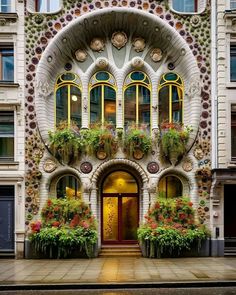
[229, 41]
[12, 6]
[229, 4]
[201, 8]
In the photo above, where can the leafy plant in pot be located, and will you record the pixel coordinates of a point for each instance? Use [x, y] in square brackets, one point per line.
[137, 142]
[65, 145]
[173, 139]
[101, 140]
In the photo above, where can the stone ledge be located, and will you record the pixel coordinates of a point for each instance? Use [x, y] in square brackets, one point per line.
[9, 165]
[9, 84]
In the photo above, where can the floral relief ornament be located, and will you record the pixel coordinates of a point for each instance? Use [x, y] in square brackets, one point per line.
[97, 44]
[80, 55]
[156, 54]
[187, 166]
[139, 44]
[49, 166]
[137, 62]
[119, 39]
[198, 153]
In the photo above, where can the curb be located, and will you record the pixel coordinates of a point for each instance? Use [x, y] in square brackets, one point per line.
[117, 286]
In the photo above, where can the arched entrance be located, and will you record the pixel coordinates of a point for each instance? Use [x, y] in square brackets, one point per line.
[120, 208]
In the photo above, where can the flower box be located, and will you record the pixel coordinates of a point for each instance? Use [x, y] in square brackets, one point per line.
[150, 249]
[31, 253]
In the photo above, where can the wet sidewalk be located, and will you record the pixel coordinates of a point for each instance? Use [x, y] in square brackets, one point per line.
[122, 270]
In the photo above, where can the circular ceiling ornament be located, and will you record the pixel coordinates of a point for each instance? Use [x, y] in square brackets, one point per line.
[81, 55]
[152, 167]
[137, 62]
[139, 44]
[97, 44]
[86, 167]
[119, 39]
[156, 54]
[49, 166]
[102, 62]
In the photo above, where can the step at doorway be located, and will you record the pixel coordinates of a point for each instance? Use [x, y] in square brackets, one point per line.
[109, 251]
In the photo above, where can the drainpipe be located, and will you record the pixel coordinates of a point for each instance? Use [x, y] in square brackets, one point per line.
[214, 137]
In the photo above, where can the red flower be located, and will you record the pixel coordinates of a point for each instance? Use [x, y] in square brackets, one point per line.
[153, 225]
[49, 202]
[55, 223]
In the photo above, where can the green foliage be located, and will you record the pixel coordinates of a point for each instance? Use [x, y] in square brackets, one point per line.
[173, 140]
[67, 225]
[136, 138]
[170, 224]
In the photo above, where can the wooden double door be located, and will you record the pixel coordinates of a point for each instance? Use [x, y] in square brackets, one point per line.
[120, 215]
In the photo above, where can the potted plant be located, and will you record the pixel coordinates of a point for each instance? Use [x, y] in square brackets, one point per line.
[66, 143]
[173, 139]
[171, 230]
[137, 142]
[67, 229]
[101, 140]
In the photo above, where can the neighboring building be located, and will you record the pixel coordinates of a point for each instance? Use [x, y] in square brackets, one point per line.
[127, 61]
[12, 136]
[224, 125]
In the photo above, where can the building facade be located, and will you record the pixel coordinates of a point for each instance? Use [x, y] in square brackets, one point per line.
[124, 63]
[12, 168]
[224, 173]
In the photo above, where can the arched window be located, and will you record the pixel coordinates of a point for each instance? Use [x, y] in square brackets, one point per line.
[102, 98]
[68, 186]
[170, 98]
[47, 5]
[185, 5]
[68, 99]
[137, 106]
[170, 187]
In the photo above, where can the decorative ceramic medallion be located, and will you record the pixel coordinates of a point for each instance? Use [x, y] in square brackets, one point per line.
[139, 44]
[86, 167]
[81, 55]
[198, 153]
[156, 54]
[97, 44]
[102, 62]
[187, 166]
[119, 39]
[152, 167]
[49, 166]
[137, 62]
[101, 154]
[195, 21]
[138, 154]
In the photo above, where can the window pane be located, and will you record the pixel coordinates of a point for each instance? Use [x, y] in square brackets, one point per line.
[233, 63]
[184, 5]
[233, 133]
[96, 104]
[164, 104]
[62, 104]
[102, 76]
[232, 4]
[5, 6]
[68, 186]
[7, 65]
[130, 105]
[75, 105]
[176, 104]
[144, 105]
[6, 148]
[170, 187]
[109, 104]
[137, 76]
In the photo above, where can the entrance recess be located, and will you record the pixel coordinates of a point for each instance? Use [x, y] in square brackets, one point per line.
[120, 207]
[229, 216]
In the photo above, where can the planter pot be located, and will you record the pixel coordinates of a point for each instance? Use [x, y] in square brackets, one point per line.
[30, 252]
[150, 249]
[101, 154]
[138, 154]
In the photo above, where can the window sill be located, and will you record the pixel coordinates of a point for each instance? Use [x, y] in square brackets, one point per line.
[231, 85]
[9, 84]
[8, 16]
[9, 165]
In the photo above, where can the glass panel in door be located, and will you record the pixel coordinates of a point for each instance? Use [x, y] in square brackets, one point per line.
[129, 218]
[110, 219]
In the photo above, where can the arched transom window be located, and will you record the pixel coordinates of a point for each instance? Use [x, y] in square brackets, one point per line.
[68, 186]
[137, 106]
[102, 98]
[68, 99]
[170, 187]
[170, 98]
